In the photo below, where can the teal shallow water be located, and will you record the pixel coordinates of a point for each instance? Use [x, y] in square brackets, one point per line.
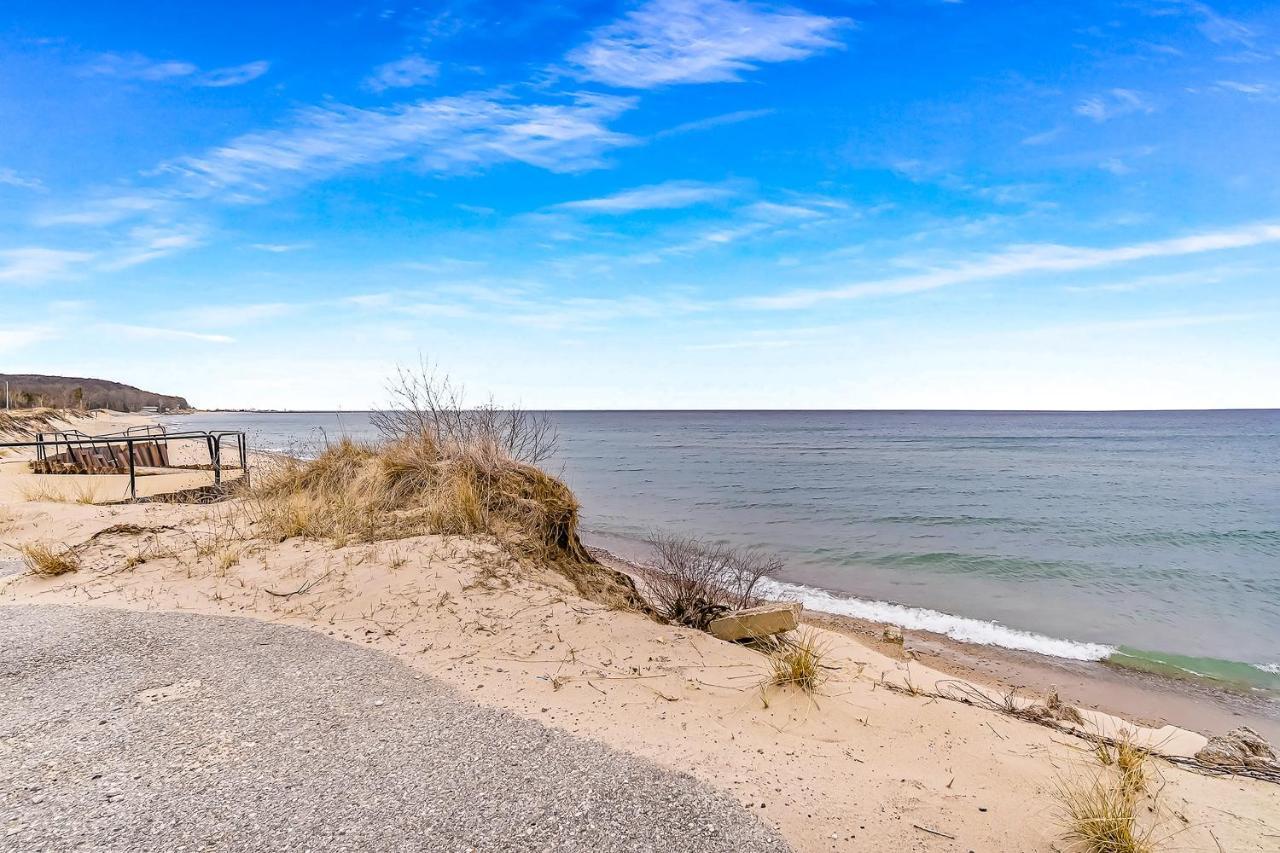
[1228, 674]
[1086, 536]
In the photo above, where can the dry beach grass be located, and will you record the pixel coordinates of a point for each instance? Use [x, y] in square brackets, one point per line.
[49, 562]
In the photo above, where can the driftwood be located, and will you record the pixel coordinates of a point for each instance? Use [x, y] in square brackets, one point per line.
[960, 691]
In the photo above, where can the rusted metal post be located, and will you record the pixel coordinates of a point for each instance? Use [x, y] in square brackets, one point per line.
[133, 473]
[215, 456]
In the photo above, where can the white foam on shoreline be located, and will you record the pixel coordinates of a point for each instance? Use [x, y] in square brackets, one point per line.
[922, 619]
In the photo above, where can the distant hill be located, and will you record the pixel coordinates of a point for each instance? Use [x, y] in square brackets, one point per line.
[27, 390]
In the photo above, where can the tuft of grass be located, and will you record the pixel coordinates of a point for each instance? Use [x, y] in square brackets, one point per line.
[46, 562]
[227, 560]
[1101, 817]
[86, 493]
[1101, 809]
[40, 491]
[1131, 762]
[798, 661]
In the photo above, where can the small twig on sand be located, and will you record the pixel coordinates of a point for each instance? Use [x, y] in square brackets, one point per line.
[663, 695]
[933, 831]
[306, 587]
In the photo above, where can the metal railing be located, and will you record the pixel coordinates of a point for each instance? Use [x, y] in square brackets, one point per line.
[132, 439]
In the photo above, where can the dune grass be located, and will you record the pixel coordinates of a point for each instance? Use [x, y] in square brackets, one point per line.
[1102, 818]
[22, 424]
[83, 492]
[1102, 808]
[414, 486]
[798, 661]
[441, 467]
[46, 562]
[41, 491]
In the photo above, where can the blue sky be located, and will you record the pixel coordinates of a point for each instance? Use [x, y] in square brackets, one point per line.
[649, 204]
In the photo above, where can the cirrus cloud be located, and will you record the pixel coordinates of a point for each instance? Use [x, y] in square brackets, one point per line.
[666, 42]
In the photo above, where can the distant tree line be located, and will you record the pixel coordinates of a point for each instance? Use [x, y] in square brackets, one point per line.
[29, 391]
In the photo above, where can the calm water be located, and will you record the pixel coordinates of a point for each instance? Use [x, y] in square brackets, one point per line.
[1142, 537]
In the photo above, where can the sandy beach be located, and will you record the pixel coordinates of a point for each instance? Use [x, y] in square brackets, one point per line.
[875, 759]
[1146, 698]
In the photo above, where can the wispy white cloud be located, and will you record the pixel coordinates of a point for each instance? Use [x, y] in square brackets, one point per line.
[13, 339]
[1121, 162]
[135, 66]
[713, 121]
[236, 75]
[445, 265]
[1044, 137]
[446, 134]
[759, 219]
[1256, 90]
[979, 186]
[1218, 28]
[665, 196]
[666, 42]
[148, 243]
[402, 74]
[1188, 278]
[34, 264]
[104, 211]
[1023, 260]
[773, 211]
[1244, 88]
[279, 248]
[1113, 104]
[152, 333]
[527, 303]
[10, 178]
[220, 316]
[1115, 166]
[1142, 324]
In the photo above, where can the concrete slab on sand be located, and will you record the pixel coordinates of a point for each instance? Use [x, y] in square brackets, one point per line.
[155, 731]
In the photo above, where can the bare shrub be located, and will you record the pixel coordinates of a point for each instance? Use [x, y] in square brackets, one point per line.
[426, 403]
[694, 581]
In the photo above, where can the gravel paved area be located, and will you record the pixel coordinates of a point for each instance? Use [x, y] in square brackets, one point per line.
[10, 566]
[132, 731]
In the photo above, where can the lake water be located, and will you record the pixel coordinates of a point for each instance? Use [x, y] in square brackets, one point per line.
[1148, 538]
